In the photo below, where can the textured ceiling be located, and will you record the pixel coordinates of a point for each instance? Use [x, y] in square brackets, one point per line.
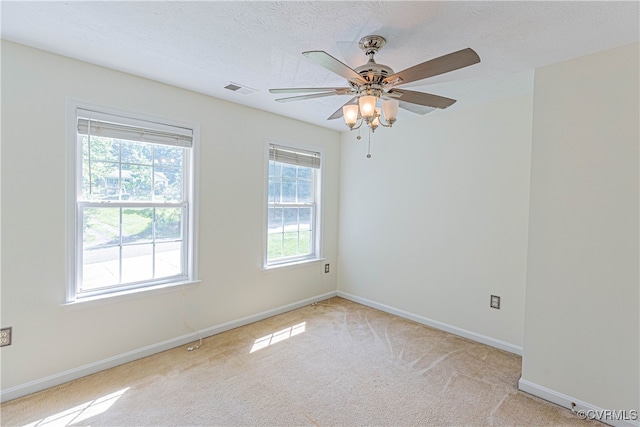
[204, 45]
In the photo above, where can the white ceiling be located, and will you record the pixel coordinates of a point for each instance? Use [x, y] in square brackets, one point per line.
[204, 45]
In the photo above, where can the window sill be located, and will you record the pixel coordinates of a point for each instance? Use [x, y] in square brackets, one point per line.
[99, 300]
[293, 264]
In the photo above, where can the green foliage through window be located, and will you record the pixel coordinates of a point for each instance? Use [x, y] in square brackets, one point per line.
[114, 169]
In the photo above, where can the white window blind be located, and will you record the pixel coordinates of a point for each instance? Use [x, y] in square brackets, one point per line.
[296, 157]
[106, 125]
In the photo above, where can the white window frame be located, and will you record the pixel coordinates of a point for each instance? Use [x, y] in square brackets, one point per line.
[318, 195]
[74, 108]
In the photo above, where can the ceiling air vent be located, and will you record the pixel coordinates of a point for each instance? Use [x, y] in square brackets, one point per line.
[235, 87]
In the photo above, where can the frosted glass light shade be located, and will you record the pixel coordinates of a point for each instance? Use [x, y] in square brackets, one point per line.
[390, 109]
[367, 106]
[376, 119]
[350, 114]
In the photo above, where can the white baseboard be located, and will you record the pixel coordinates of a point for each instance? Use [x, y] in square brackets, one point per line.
[92, 368]
[502, 345]
[579, 406]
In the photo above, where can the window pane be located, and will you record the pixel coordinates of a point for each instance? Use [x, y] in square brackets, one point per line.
[275, 169]
[290, 245]
[100, 267]
[274, 220]
[137, 263]
[290, 219]
[136, 182]
[101, 226]
[274, 246]
[136, 152]
[305, 218]
[289, 170]
[168, 223]
[304, 173]
[137, 225]
[167, 156]
[167, 184]
[305, 191]
[288, 190]
[100, 251]
[105, 149]
[100, 180]
[275, 191]
[168, 173]
[168, 259]
[304, 246]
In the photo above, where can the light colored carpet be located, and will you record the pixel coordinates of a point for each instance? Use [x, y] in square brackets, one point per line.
[335, 363]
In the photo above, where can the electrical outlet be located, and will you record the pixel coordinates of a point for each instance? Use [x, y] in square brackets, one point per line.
[495, 302]
[326, 268]
[5, 337]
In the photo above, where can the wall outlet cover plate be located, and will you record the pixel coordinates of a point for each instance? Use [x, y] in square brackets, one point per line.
[495, 302]
[5, 337]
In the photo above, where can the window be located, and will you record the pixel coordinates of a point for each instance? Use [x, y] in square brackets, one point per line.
[292, 205]
[133, 207]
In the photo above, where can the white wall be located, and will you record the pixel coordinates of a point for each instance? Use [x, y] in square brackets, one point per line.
[436, 220]
[49, 339]
[581, 317]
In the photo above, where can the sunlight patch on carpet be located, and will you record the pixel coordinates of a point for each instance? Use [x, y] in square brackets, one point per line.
[276, 337]
[81, 412]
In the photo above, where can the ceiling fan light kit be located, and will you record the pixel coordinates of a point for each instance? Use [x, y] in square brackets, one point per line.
[372, 82]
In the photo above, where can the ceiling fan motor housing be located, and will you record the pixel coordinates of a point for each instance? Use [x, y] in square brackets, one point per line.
[373, 73]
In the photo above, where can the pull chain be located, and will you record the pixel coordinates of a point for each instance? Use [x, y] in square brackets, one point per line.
[369, 146]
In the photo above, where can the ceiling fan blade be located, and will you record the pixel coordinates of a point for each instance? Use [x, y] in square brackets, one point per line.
[327, 61]
[415, 108]
[310, 89]
[420, 98]
[338, 112]
[443, 64]
[302, 97]
[391, 95]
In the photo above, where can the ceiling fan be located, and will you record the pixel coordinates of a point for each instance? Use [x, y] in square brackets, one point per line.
[372, 81]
